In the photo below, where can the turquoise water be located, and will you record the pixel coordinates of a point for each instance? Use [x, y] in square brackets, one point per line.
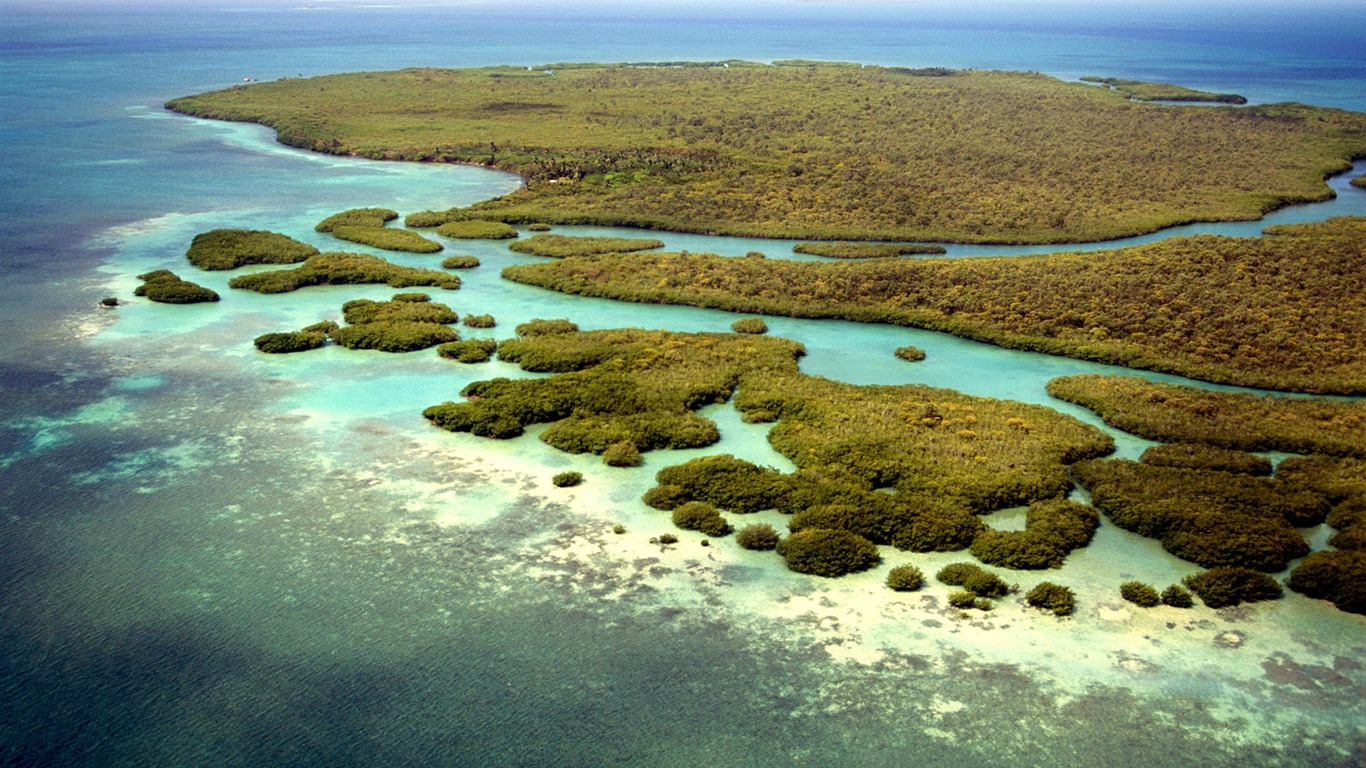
[213, 557]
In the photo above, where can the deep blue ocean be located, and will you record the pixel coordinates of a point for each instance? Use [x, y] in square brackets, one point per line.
[210, 558]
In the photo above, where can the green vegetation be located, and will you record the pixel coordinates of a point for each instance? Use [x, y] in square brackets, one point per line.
[1234, 420]
[910, 354]
[1337, 576]
[1199, 456]
[232, 248]
[564, 246]
[109, 302]
[823, 552]
[388, 239]
[751, 325]
[1053, 528]
[947, 455]
[312, 337]
[475, 229]
[1207, 517]
[938, 448]
[758, 536]
[905, 578]
[538, 227]
[569, 480]
[818, 152]
[843, 250]
[409, 307]
[1222, 587]
[1140, 594]
[165, 286]
[540, 327]
[622, 454]
[1141, 91]
[357, 217]
[1177, 597]
[479, 321]
[468, 351]
[343, 269]
[962, 598]
[459, 262]
[613, 386]
[1052, 597]
[406, 323]
[701, 516]
[1280, 312]
[973, 578]
[1341, 479]
[394, 336]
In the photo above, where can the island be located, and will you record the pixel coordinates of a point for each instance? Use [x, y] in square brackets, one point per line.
[806, 150]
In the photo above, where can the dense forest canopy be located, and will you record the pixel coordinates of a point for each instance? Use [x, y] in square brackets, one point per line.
[1279, 312]
[818, 151]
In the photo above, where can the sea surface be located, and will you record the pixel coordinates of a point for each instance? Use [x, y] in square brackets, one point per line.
[211, 557]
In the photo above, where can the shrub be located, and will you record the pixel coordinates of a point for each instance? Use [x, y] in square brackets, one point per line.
[567, 479]
[459, 262]
[1210, 518]
[477, 229]
[974, 579]
[166, 287]
[539, 327]
[667, 538]
[393, 336]
[1220, 587]
[983, 604]
[910, 354]
[986, 584]
[294, 341]
[1139, 594]
[470, 351]
[700, 516]
[405, 307]
[622, 454]
[109, 301]
[954, 574]
[1197, 456]
[1052, 597]
[905, 578]
[1177, 597]
[725, 481]
[357, 217]
[752, 325]
[823, 552]
[564, 246]
[841, 250]
[758, 536]
[618, 529]
[539, 226]
[843, 517]
[232, 248]
[479, 321]
[337, 268]
[666, 497]
[962, 599]
[938, 529]
[1337, 576]
[387, 239]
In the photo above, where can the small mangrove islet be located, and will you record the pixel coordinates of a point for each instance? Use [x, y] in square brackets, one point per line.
[166, 287]
[841, 250]
[335, 268]
[405, 323]
[232, 248]
[564, 246]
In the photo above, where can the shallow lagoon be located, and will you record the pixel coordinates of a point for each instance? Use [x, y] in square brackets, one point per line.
[213, 556]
